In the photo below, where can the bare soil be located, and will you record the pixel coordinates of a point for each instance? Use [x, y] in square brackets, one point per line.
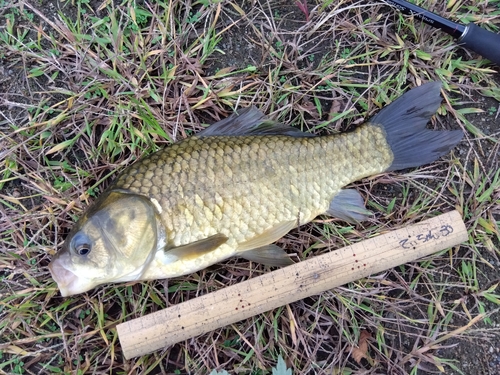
[479, 353]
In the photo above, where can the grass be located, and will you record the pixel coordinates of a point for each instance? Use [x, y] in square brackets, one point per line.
[86, 92]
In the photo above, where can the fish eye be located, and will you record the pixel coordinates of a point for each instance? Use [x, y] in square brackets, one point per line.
[81, 244]
[83, 249]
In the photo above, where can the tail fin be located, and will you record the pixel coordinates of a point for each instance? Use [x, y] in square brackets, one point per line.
[404, 122]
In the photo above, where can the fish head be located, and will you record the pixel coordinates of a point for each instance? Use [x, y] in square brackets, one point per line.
[114, 241]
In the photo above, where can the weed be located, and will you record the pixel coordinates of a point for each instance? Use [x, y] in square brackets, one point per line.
[86, 93]
[302, 5]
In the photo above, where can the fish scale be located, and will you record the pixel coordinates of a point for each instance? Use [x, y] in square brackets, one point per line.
[237, 187]
[252, 177]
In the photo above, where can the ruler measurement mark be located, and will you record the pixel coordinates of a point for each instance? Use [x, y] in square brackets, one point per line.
[304, 279]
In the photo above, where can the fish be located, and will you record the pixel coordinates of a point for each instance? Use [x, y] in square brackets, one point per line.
[235, 188]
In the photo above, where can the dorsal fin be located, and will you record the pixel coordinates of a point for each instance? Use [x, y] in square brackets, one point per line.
[250, 121]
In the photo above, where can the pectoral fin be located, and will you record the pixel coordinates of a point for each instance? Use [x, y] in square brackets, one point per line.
[195, 249]
[348, 205]
[270, 255]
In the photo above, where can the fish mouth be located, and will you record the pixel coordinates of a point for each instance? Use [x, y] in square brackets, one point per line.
[68, 282]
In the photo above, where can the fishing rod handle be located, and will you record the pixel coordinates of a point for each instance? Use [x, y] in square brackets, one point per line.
[481, 41]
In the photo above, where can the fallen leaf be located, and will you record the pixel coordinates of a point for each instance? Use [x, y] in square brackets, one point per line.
[361, 351]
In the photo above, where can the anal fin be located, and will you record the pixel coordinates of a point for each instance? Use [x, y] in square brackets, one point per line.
[348, 205]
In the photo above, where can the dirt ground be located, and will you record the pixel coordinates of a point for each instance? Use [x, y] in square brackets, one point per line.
[479, 353]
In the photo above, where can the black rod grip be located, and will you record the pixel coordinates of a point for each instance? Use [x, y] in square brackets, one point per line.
[482, 41]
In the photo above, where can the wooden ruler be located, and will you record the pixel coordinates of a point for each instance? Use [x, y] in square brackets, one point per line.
[304, 279]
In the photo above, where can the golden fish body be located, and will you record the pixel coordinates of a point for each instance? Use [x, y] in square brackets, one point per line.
[213, 196]
[251, 189]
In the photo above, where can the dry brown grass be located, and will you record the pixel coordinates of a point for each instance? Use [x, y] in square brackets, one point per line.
[87, 93]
